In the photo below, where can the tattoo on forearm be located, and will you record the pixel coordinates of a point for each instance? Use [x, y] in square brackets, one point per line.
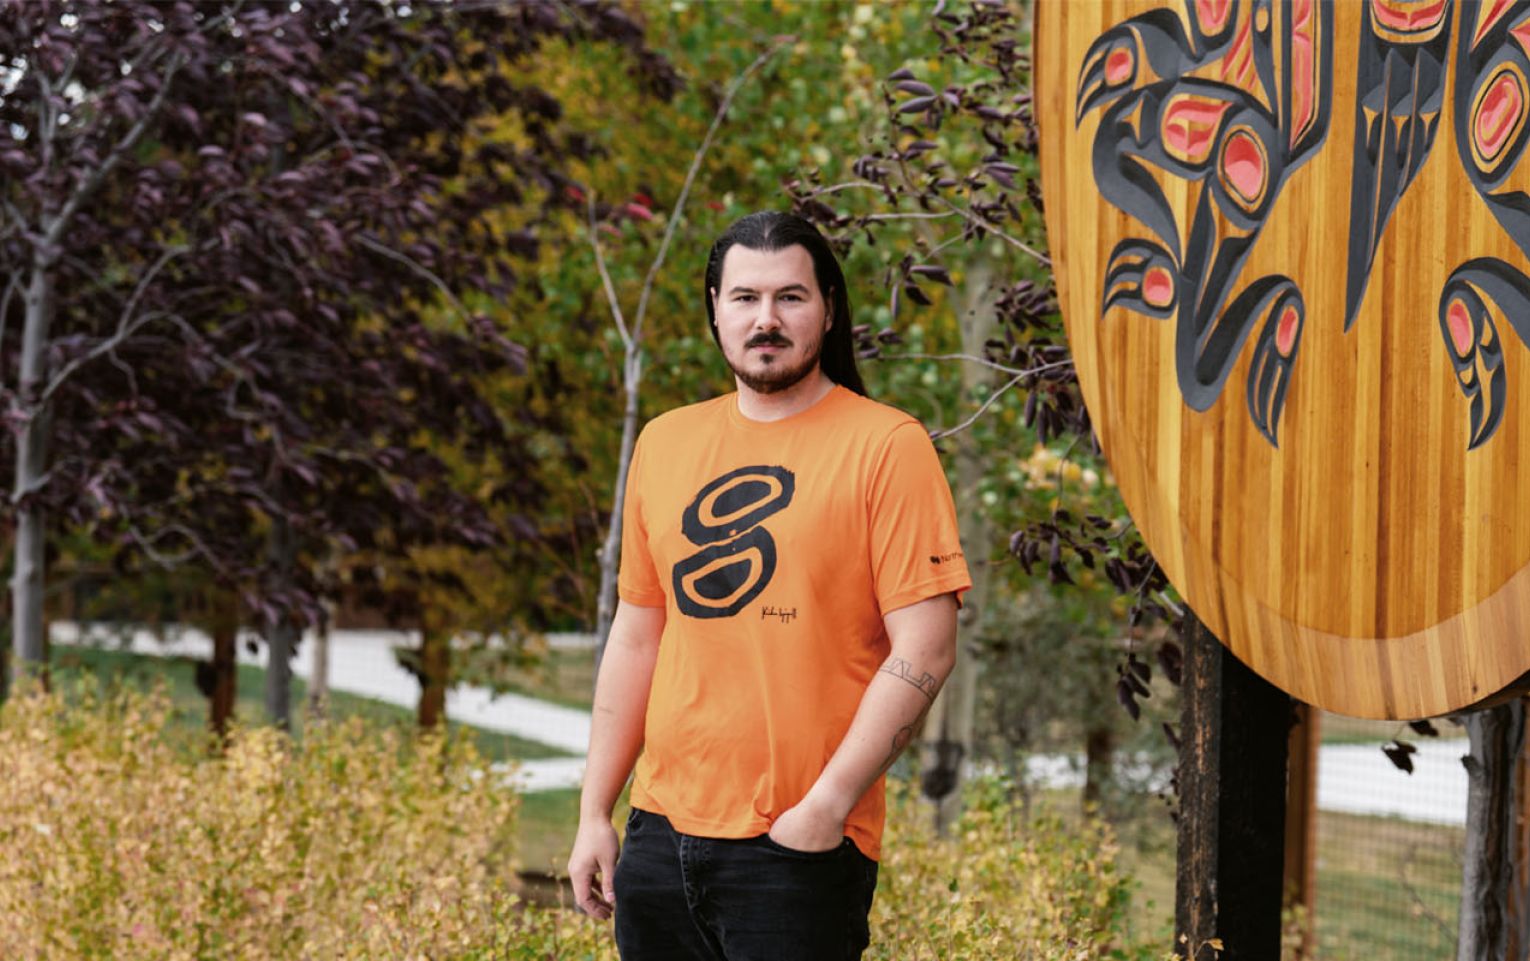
[899, 742]
[928, 685]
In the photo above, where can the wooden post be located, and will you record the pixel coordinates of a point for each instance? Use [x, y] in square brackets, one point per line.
[1232, 800]
[1489, 873]
[1300, 883]
[1519, 894]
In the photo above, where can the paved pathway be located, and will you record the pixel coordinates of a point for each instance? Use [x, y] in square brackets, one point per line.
[1354, 778]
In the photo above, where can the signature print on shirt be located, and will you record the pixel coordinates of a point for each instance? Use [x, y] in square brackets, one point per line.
[737, 557]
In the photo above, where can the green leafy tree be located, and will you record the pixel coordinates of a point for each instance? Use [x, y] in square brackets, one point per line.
[797, 81]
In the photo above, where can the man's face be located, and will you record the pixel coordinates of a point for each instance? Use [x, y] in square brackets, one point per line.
[771, 317]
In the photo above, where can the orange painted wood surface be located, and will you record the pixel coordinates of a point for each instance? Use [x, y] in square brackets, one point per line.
[1368, 558]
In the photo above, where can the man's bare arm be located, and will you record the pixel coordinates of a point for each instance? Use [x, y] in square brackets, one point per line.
[923, 637]
[616, 737]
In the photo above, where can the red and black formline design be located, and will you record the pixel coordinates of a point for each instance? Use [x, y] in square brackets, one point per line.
[1234, 103]
[1399, 96]
[1238, 100]
[1404, 53]
[1492, 101]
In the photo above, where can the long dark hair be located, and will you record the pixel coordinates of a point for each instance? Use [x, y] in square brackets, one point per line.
[769, 231]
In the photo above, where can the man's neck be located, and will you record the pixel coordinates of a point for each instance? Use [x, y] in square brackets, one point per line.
[783, 404]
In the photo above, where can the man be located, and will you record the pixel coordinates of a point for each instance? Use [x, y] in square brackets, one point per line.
[788, 594]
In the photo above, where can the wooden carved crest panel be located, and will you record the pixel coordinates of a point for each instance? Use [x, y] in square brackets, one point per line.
[1292, 242]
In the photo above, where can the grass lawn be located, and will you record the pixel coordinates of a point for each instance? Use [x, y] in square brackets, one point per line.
[120, 667]
[1338, 729]
[565, 677]
[1386, 888]
[548, 822]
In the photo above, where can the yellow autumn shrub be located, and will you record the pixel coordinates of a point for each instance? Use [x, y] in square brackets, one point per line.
[1000, 885]
[119, 842]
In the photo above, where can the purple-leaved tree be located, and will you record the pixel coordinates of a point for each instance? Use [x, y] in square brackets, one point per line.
[249, 252]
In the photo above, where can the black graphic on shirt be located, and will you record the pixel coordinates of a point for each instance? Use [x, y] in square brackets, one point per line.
[738, 557]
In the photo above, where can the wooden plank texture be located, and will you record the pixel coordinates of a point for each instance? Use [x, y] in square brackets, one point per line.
[1312, 384]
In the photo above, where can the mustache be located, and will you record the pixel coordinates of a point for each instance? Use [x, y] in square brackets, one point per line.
[767, 340]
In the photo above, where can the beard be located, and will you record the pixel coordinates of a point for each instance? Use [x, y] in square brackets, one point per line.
[778, 374]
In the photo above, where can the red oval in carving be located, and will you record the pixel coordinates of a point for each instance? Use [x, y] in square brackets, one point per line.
[1118, 66]
[1498, 114]
[1285, 332]
[1460, 323]
[1158, 287]
[1243, 166]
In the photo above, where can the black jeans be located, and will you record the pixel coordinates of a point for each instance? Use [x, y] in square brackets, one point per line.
[686, 898]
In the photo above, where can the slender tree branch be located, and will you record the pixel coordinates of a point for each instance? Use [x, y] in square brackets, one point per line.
[68, 72]
[1164, 600]
[953, 239]
[46, 120]
[1142, 587]
[987, 403]
[605, 275]
[37, 484]
[341, 136]
[127, 372]
[85, 188]
[18, 220]
[984, 362]
[1419, 907]
[127, 325]
[690, 177]
[848, 185]
[11, 285]
[909, 216]
[994, 229]
[146, 543]
[418, 268]
[1062, 462]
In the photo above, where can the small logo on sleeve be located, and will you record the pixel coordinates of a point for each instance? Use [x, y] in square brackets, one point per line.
[945, 558]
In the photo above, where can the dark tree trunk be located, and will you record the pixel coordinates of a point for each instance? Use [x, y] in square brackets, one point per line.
[435, 670]
[318, 680]
[1232, 793]
[1487, 924]
[224, 679]
[1099, 759]
[281, 631]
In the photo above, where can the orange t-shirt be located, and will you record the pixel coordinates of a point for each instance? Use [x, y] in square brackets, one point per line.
[775, 549]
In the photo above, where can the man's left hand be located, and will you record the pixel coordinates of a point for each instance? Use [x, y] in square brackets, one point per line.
[808, 827]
